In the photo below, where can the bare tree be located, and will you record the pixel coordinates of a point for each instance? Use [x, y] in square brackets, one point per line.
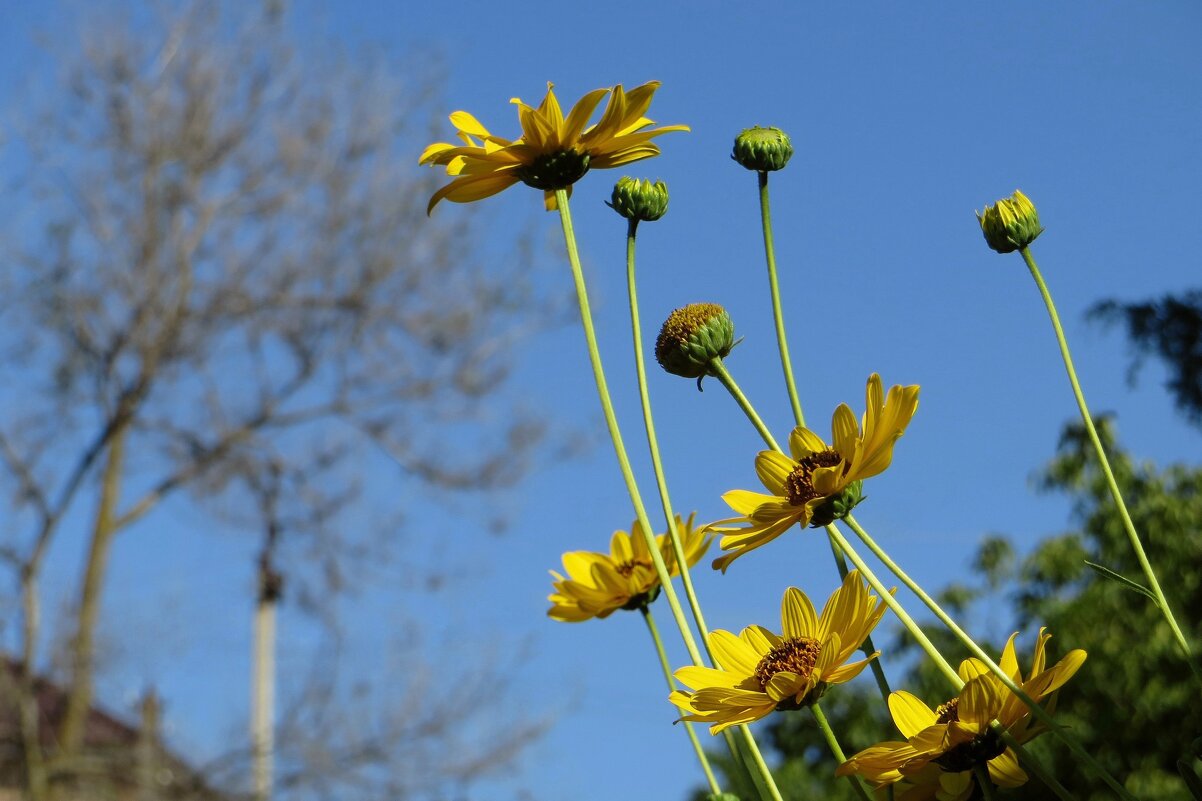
[233, 288]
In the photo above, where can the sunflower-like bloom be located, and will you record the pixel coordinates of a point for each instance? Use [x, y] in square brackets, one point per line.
[820, 482]
[943, 745]
[553, 151]
[599, 584]
[759, 672]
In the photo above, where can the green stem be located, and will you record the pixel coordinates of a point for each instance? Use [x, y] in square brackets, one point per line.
[715, 788]
[719, 369]
[982, 774]
[1038, 711]
[837, 752]
[931, 651]
[728, 381]
[867, 648]
[916, 632]
[839, 547]
[611, 423]
[760, 764]
[770, 252]
[653, 442]
[1087, 419]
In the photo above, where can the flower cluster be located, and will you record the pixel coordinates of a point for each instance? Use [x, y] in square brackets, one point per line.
[944, 744]
[969, 742]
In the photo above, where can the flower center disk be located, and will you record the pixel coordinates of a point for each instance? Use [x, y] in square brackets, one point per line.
[799, 485]
[625, 569]
[797, 655]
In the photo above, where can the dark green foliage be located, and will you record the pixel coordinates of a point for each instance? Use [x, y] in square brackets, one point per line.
[1170, 328]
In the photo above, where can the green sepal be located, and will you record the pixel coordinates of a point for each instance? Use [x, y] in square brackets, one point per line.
[836, 507]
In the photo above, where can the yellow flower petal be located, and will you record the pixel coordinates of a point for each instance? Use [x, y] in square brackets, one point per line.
[803, 442]
[797, 615]
[773, 469]
[1005, 771]
[909, 713]
[745, 502]
[980, 702]
[732, 653]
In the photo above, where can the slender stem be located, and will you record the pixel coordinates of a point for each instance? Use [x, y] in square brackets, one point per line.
[1087, 419]
[925, 643]
[915, 631]
[760, 764]
[770, 253]
[867, 648]
[837, 752]
[728, 381]
[653, 442]
[1038, 711]
[982, 774]
[715, 788]
[839, 547]
[611, 423]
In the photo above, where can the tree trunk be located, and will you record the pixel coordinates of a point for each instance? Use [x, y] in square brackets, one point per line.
[79, 697]
[31, 741]
[263, 683]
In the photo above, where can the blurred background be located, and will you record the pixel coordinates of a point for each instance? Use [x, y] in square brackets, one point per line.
[285, 462]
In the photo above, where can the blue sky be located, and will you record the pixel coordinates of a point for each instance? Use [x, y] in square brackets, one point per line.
[905, 119]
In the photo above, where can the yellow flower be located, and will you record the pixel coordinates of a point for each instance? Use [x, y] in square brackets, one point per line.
[553, 151]
[598, 584]
[943, 745]
[805, 489]
[759, 672]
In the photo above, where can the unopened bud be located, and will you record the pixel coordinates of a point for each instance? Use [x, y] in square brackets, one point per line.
[1011, 224]
[639, 200]
[763, 149]
[692, 337]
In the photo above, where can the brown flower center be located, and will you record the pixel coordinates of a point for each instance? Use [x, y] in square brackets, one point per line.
[627, 567]
[797, 655]
[966, 756]
[949, 712]
[799, 485]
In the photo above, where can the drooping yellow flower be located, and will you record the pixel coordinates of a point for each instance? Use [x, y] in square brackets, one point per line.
[943, 745]
[599, 584]
[759, 672]
[806, 488]
[553, 151]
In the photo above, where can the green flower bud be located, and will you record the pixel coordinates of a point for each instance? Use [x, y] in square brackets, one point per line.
[639, 200]
[837, 506]
[691, 337]
[1011, 224]
[763, 149]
